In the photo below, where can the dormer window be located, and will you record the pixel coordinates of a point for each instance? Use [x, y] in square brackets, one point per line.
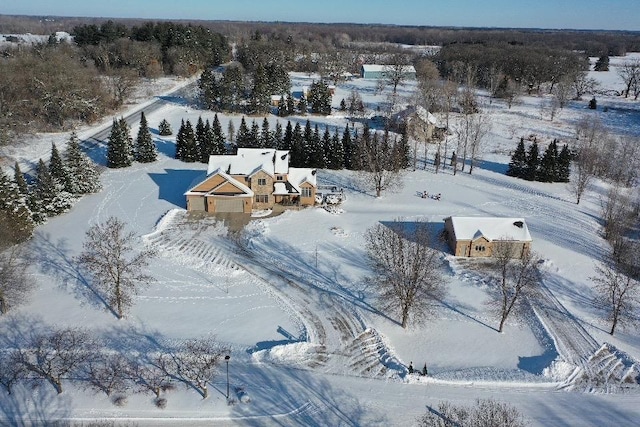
[280, 178]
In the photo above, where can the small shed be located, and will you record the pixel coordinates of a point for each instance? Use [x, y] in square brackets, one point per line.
[480, 236]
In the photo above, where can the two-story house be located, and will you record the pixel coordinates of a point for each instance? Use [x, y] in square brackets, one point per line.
[252, 179]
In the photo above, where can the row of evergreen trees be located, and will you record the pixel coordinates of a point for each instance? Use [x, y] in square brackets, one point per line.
[51, 192]
[553, 166]
[308, 146]
[121, 149]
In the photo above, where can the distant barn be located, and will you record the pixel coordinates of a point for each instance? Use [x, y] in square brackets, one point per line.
[375, 71]
[480, 236]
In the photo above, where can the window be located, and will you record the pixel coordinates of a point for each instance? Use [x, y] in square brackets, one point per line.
[306, 192]
[262, 198]
[262, 181]
[280, 178]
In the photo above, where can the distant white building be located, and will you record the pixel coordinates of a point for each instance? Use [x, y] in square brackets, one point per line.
[376, 71]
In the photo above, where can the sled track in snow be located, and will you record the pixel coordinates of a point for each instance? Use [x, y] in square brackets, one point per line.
[193, 243]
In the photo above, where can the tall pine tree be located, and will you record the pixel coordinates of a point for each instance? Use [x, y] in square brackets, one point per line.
[533, 161]
[48, 198]
[518, 163]
[16, 222]
[18, 178]
[548, 169]
[564, 164]
[180, 141]
[219, 140]
[83, 172]
[145, 149]
[277, 136]
[297, 147]
[190, 152]
[119, 149]
[243, 137]
[58, 170]
[348, 147]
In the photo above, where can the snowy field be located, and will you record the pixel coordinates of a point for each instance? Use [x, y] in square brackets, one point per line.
[307, 342]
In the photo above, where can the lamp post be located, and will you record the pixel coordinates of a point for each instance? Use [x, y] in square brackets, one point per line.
[226, 359]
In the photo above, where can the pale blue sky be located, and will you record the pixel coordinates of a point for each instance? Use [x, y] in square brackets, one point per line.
[578, 14]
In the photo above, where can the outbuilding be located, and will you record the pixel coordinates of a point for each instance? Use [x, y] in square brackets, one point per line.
[480, 236]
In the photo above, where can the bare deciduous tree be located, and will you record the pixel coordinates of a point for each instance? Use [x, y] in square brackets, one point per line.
[154, 376]
[11, 371]
[14, 285]
[380, 163]
[110, 258]
[630, 74]
[56, 355]
[406, 269]
[471, 129]
[617, 284]
[485, 413]
[196, 362]
[518, 279]
[108, 373]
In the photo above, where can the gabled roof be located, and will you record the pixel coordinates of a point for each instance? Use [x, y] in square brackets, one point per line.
[383, 68]
[491, 228]
[249, 161]
[228, 179]
[298, 176]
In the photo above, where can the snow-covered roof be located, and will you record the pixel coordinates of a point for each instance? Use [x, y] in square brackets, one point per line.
[298, 176]
[383, 68]
[251, 160]
[246, 190]
[492, 228]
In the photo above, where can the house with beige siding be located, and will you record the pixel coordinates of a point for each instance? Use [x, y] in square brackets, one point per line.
[252, 179]
[480, 236]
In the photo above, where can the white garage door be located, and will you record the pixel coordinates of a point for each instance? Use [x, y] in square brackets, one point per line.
[229, 205]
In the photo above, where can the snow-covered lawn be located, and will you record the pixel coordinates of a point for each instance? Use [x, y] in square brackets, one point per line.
[308, 344]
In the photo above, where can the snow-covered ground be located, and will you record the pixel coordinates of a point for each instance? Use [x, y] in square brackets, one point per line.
[308, 344]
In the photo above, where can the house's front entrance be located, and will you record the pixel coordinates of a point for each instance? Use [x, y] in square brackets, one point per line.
[229, 205]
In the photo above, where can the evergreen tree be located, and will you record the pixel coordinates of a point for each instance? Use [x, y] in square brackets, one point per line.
[297, 158]
[347, 146]
[266, 137]
[145, 149]
[207, 142]
[190, 152]
[164, 129]
[326, 148]
[291, 105]
[320, 98]
[282, 107]
[404, 151]
[83, 172]
[200, 134]
[531, 172]
[209, 89]
[307, 144]
[20, 182]
[335, 154]
[518, 163]
[547, 169]
[277, 135]
[564, 164]
[231, 131]
[243, 137]
[48, 197]
[15, 217]
[58, 170]
[287, 139]
[260, 95]
[180, 141]
[119, 147]
[219, 139]
[302, 105]
[255, 135]
[602, 64]
[343, 105]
